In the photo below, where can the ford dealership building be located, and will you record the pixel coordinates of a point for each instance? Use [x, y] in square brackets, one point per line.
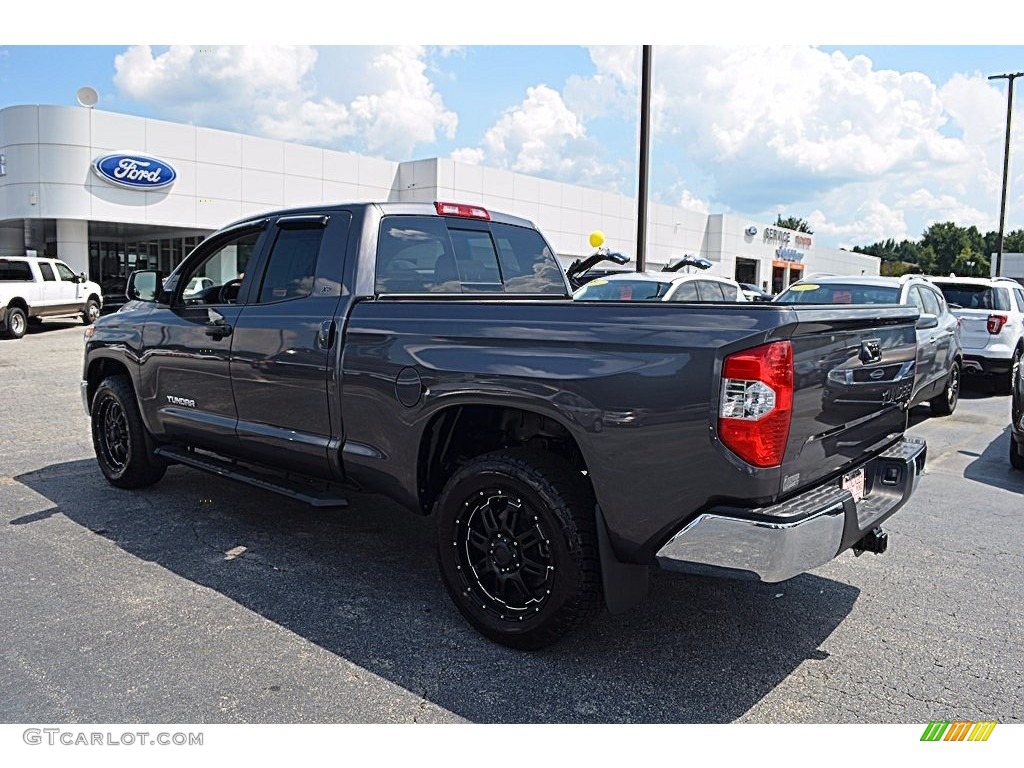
[109, 193]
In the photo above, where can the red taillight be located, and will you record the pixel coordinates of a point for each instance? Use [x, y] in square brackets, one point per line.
[756, 404]
[996, 323]
[465, 211]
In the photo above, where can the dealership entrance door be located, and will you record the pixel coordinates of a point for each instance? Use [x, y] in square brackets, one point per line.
[116, 250]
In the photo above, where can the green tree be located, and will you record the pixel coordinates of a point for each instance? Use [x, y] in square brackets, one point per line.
[793, 222]
[948, 240]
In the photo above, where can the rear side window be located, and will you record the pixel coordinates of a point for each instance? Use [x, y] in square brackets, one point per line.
[427, 254]
[1019, 293]
[710, 291]
[931, 302]
[291, 267]
[47, 272]
[686, 292]
[15, 270]
[974, 296]
[527, 264]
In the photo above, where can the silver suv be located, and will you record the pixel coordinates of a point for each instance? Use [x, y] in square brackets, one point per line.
[991, 314]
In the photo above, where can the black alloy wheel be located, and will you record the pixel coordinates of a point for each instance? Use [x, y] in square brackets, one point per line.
[517, 547]
[119, 437]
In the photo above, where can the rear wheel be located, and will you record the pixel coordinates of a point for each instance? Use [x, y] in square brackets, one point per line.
[517, 547]
[1016, 454]
[16, 322]
[119, 436]
[944, 403]
[91, 312]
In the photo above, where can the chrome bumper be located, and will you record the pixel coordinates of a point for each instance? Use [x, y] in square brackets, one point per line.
[85, 397]
[778, 542]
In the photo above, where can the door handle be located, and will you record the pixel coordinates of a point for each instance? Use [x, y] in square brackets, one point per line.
[218, 330]
[325, 336]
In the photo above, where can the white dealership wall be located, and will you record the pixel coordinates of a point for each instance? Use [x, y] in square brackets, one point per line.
[222, 176]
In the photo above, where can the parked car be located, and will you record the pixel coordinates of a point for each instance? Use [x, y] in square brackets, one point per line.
[1017, 420]
[939, 353]
[991, 313]
[197, 285]
[33, 288]
[660, 286]
[432, 353]
[753, 293]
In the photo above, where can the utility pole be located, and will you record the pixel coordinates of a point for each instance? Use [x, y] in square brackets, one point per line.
[1010, 77]
[645, 135]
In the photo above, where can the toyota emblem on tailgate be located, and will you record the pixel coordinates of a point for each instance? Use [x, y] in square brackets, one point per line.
[870, 350]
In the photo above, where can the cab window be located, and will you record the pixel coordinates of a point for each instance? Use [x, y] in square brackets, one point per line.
[64, 271]
[216, 277]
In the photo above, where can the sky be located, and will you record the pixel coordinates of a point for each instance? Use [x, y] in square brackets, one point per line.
[864, 142]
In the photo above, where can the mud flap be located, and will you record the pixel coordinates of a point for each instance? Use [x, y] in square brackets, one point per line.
[625, 584]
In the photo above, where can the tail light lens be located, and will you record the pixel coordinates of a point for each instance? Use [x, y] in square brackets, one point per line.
[756, 406]
[465, 211]
[996, 323]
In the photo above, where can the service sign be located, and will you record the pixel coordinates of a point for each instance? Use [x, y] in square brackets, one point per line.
[134, 171]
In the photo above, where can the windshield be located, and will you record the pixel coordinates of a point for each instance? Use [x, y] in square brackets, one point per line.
[839, 293]
[622, 290]
[974, 296]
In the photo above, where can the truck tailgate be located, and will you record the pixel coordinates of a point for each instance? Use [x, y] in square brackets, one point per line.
[853, 377]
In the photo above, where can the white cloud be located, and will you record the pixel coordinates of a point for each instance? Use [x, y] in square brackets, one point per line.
[692, 202]
[875, 153]
[542, 136]
[279, 90]
[471, 155]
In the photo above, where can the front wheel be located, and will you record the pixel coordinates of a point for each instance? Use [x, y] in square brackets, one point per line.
[945, 403]
[517, 547]
[119, 436]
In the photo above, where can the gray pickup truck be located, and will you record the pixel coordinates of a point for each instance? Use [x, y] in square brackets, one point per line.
[432, 353]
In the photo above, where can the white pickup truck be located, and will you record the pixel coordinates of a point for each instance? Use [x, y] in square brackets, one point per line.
[32, 288]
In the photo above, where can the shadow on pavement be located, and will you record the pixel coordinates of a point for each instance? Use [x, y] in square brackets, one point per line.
[362, 584]
[992, 467]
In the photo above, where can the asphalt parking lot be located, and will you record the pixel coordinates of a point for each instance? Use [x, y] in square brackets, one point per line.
[140, 606]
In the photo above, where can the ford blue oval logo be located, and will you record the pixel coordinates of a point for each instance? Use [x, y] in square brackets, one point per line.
[134, 171]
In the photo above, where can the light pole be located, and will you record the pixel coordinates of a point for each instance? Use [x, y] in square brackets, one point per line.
[1010, 77]
[645, 139]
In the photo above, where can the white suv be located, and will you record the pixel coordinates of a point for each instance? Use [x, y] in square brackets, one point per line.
[991, 314]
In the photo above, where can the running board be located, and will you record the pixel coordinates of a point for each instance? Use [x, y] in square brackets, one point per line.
[285, 486]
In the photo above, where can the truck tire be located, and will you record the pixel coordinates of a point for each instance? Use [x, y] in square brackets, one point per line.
[945, 402]
[518, 548]
[1004, 384]
[16, 323]
[91, 312]
[119, 436]
[1016, 454]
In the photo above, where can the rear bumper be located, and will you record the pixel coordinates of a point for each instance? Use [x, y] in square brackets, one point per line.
[778, 542]
[995, 366]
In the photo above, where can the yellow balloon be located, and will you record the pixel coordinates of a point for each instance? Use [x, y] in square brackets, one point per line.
[596, 238]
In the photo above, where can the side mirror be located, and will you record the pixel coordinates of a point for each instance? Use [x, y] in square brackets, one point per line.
[144, 285]
[926, 321]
